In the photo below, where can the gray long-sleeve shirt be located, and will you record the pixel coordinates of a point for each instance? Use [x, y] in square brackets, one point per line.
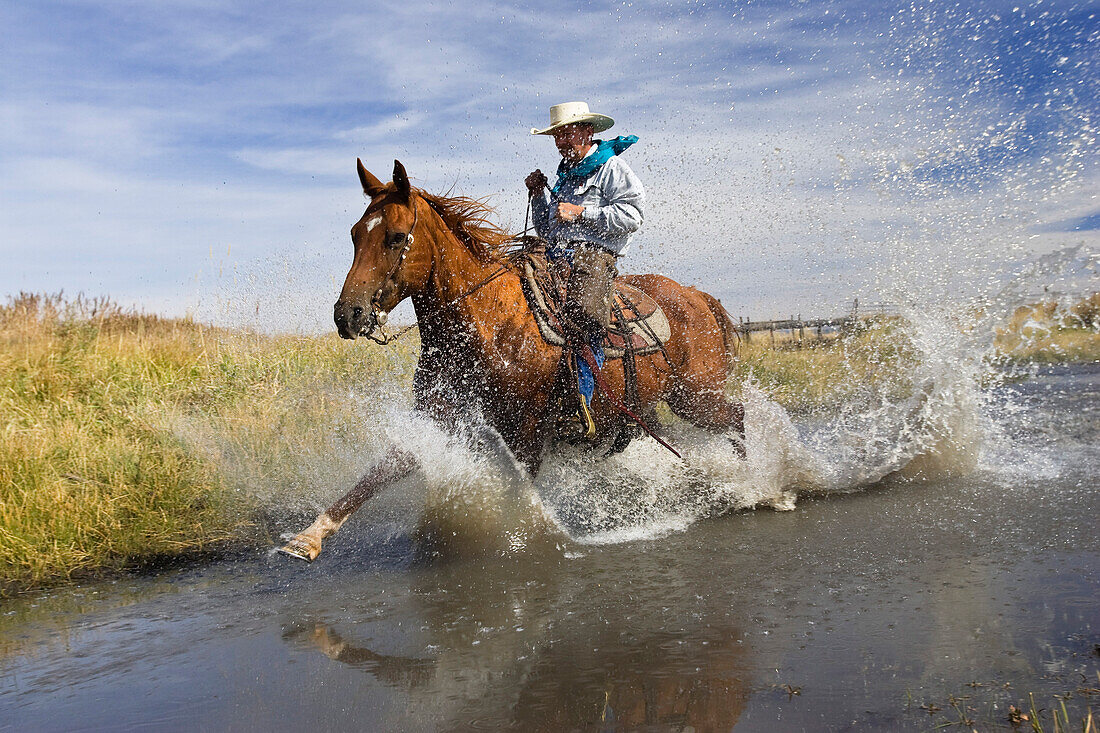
[614, 205]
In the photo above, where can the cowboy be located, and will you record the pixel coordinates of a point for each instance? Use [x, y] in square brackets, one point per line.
[587, 218]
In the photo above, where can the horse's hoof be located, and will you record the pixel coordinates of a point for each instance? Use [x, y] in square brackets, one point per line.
[301, 548]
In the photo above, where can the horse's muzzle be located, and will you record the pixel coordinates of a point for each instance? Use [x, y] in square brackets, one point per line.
[353, 320]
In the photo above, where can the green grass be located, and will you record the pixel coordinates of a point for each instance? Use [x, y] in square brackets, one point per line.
[95, 471]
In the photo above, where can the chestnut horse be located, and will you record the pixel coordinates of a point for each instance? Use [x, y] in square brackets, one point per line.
[482, 353]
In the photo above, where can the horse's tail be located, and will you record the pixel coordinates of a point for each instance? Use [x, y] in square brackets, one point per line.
[731, 336]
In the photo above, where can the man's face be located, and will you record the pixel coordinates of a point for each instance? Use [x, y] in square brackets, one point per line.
[573, 141]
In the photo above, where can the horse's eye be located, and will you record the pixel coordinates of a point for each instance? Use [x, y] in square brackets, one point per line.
[399, 239]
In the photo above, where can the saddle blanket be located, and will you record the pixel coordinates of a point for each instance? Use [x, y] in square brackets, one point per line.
[634, 315]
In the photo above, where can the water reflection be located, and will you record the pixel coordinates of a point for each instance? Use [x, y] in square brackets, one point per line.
[536, 648]
[634, 686]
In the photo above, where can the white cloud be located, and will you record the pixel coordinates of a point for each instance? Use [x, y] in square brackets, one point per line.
[778, 151]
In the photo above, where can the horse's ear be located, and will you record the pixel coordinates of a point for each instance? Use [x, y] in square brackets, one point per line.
[401, 179]
[371, 185]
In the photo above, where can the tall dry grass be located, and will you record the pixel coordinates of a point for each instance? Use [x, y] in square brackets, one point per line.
[1050, 332]
[94, 473]
[878, 357]
[875, 359]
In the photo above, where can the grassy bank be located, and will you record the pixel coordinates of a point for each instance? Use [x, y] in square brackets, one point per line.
[126, 438]
[1052, 332]
[94, 473]
[875, 360]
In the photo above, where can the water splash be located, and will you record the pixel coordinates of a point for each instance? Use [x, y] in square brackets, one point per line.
[929, 408]
[972, 133]
[477, 496]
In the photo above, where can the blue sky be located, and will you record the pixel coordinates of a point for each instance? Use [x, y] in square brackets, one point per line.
[199, 155]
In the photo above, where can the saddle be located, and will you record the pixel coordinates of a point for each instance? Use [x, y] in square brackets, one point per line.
[638, 324]
[638, 328]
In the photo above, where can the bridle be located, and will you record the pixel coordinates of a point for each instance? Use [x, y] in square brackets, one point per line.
[380, 336]
[375, 299]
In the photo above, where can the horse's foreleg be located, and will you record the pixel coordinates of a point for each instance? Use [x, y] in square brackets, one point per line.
[306, 545]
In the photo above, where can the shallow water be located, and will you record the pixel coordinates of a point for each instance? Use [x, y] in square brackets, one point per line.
[851, 612]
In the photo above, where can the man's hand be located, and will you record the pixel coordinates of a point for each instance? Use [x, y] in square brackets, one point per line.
[569, 212]
[535, 181]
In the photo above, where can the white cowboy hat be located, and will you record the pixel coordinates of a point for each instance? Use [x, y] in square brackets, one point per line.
[570, 113]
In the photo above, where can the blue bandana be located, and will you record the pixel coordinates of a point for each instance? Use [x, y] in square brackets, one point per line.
[581, 171]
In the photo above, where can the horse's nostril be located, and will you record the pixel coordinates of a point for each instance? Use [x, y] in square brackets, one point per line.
[356, 313]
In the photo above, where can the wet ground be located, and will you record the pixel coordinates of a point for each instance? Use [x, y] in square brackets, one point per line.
[899, 607]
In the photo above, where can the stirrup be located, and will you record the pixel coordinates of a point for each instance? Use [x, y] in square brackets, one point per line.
[577, 426]
[586, 418]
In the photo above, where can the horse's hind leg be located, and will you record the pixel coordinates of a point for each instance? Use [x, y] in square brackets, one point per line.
[306, 545]
[705, 403]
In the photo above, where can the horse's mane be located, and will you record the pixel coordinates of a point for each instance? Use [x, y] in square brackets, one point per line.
[468, 219]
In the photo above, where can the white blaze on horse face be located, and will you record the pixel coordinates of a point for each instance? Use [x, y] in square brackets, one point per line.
[372, 223]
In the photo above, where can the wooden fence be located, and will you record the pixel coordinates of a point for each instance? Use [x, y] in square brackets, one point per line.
[819, 327]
